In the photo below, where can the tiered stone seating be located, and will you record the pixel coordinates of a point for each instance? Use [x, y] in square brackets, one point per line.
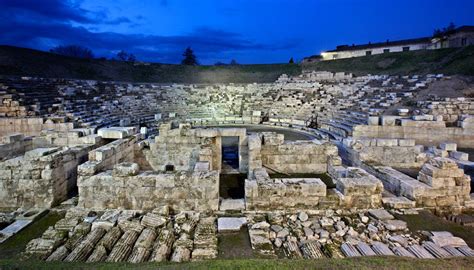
[338, 101]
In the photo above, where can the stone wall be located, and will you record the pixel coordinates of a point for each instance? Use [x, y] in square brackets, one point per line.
[42, 177]
[399, 153]
[183, 147]
[264, 193]
[295, 157]
[67, 138]
[440, 184]
[125, 187]
[449, 108]
[357, 188]
[31, 126]
[14, 145]
[105, 157]
[464, 137]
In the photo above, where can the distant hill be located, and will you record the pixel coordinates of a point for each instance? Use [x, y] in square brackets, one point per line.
[15, 61]
[27, 62]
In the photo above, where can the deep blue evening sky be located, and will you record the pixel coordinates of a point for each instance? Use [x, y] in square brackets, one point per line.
[250, 31]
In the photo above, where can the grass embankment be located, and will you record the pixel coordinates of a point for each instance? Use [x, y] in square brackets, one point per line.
[16, 61]
[447, 61]
[27, 62]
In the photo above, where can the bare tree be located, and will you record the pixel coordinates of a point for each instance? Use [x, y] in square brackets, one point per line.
[73, 51]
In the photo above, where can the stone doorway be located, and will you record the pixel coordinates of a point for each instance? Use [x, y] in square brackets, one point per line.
[232, 186]
[230, 154]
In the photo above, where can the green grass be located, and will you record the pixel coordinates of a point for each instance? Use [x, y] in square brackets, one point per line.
[427, 221]
[17, 243]
[26, 62]
[448, 61]
[10, 253]
[339, 264]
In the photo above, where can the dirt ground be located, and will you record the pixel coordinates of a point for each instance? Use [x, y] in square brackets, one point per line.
[457, 86]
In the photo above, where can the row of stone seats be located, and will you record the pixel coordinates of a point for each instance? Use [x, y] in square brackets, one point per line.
[90, 102]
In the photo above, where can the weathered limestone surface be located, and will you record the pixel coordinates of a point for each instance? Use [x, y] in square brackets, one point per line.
[105, 157]
[149, 190]
[357, 188]
[143, 247]
[265, 193]
[41, 177]
[116, 132]
[463, 137]
[31, 126]
[14, 145]
[440, 184]
[183, 147]
[296, 157]
[399, 153]
[162, 246]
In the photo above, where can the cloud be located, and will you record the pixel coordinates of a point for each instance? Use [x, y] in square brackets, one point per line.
[58, 11]
[70, 24]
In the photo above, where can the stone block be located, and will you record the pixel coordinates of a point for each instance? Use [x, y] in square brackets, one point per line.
[425, 117]
[88, 168]
[389, 120]
[406, 142]
[448, 146]
[230, 223]
[395, 225]
[436, 182]
[459, 155]
[373, 120]
[201, 166]
[273, 138]
[116, 132]
[125, 169]
[13, 138]
[380, 214]
[412, 189]
[40, 152]
[403, 112]
[387, 142]
[398, 203]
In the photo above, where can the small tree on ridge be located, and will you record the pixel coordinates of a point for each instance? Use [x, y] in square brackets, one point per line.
[189, 58]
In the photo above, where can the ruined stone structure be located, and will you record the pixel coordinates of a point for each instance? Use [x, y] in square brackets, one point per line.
[151, 166]
[42, 177]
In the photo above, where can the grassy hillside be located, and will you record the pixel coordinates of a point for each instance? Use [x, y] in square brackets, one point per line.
[26, 62]
[19, 61]
[447, 61]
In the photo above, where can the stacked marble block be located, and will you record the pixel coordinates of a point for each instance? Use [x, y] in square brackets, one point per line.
[448, 150]
[400, 153]
[448, 185]
[294, 157]
[125, 186]
[356, 188]
[440, 184]
[450, 109]
[14, 144]
[265, 193]
[42, 177]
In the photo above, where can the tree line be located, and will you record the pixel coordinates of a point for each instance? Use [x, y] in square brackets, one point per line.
[189, 58]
